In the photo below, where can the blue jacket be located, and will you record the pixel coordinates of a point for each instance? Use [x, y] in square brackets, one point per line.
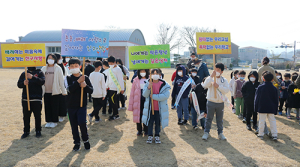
[178, 83]
[202, 72]
[162, 98]
[284, 92]
[266, 99]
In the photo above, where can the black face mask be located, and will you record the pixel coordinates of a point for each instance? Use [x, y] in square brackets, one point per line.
[31, 68]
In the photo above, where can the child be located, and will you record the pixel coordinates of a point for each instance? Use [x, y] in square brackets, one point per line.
[215, 104]
[293, 100]
[173, 79]
[234, 76]
[77, 114]
[248, 91]
[266, 104]
[195, 77]
[201, 97]
[115, 84]
[283, 91]
[237, 94]
[183, 103]
[99, 93]
[36, 80]
[53, 88]
[105, 71]
[136, 101]
[161, 93]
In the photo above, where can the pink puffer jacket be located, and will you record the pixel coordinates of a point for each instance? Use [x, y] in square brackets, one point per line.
[135, 100]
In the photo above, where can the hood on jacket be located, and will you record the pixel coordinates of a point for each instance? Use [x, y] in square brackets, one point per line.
[183, 72]
[255, 74]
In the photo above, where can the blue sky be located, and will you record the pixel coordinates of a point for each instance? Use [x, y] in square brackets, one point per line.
[260, 23]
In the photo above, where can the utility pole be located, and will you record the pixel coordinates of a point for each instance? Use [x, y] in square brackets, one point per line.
[294, 54]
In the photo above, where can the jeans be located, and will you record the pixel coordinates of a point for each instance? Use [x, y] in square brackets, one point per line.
[194, 117]
[213, 108]
[154, 118]
[183, 105]
[77, 118]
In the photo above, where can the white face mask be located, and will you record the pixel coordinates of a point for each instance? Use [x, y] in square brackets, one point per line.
[75, 71]
[155, 77]
[218, 74]
[194, 74]
[252, 79]
[50, 61]
[111, 66]
[59, 61]
[67, 60]
[179, 73]
[143, 74]
[278, 77]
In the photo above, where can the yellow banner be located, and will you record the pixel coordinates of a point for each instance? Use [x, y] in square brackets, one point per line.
[213, 43]
[23, 55]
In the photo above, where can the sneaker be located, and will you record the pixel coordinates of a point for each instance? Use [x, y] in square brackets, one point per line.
[53, 125]
[260, 137]
[119, 109]
[76, 147]
[87, 145]
[117, 117]
[48, 124]
[139, 133]
[61, 119]
[38, 134]
[173, 107]
[249, 127]
[274, 138]
[149, 141]
[180, 122]
[222, 137]
[195, 127]
[25, 134]
[255, 127]
[205, 136]
[184, 122]
[244, 120]
[256, 131]
[240, 116]
[114, 117]
[97, 120]
[90, 118]
[279, 112]
[157, 141]
[233, 111]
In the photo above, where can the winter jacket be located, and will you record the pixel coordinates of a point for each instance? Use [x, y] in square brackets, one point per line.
[196, 79]
[58, 82]
[202, 72]
[162, 98]
[201, 94]
[284, 92]
[266, 99]
[135, 100]
[266, 68]
[249, 88]
[237, 88]
[179, 82]
[88, 70]
[34, 86]
[293, 100]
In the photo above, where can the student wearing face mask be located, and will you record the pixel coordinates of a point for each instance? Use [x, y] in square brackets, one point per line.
[161, 93]
[194, 76]
[238, 96]
[248, 91]
[62, 99]
[234, 76]
[201, 67]
[283, 92]
[115, 84]
[183, 103]
[53, 88]
[136, 101]
[172, 79]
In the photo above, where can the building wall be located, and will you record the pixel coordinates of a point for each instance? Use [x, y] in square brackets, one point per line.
[249, 53]
[118, 52]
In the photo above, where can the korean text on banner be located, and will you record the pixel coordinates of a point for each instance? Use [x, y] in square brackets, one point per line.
[149, 57]
[213, 43]
[23, 55]
[84, 43]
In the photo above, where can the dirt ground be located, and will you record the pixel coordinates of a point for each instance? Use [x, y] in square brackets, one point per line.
[115, 143]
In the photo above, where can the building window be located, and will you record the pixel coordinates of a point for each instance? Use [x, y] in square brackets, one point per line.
[54, 49]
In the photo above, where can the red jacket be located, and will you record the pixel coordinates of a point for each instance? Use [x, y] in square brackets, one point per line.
[173, 76]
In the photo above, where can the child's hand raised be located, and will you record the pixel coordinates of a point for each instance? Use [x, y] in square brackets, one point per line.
[213, 74]
[83, 84]
[81, 79]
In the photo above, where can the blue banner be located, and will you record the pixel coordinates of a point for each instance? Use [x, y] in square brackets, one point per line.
[82, 43]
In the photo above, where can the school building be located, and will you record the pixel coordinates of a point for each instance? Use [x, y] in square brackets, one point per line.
[119, 41]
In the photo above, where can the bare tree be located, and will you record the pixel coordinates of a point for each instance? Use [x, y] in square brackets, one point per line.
[168, 34]
[189, 34]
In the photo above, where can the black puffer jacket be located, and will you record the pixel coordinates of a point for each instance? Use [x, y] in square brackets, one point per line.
[293, 100]
[249, 89]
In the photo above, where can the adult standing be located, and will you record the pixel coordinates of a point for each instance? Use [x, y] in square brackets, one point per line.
[266, 67]
[202, 70]
[193, 57]
[54, 86]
